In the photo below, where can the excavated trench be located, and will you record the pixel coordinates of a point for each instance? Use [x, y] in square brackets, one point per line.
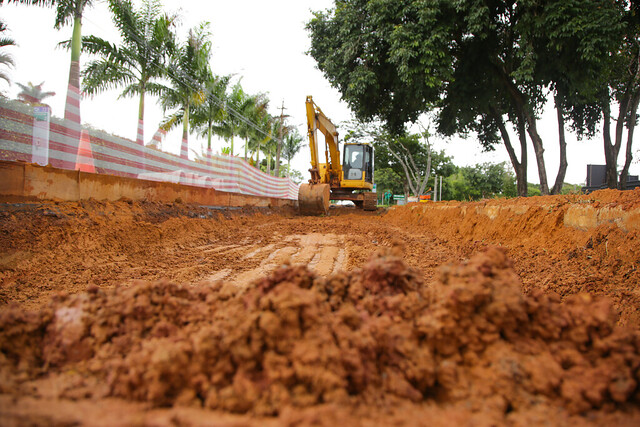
[514, 312]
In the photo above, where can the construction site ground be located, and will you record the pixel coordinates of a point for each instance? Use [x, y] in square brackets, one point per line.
[518, 312]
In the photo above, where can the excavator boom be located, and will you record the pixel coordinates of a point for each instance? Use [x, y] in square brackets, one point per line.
[317, 120]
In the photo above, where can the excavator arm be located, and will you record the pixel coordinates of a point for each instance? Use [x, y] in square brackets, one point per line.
[317, 120]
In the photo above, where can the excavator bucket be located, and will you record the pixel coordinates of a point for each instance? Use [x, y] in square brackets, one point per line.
[313, 199]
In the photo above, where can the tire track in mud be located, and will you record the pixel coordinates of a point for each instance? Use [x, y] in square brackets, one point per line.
[322, 253]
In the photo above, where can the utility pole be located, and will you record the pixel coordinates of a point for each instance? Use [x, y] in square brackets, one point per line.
[280, 134]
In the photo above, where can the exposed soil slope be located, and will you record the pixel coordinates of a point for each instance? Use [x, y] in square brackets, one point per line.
[482, 313]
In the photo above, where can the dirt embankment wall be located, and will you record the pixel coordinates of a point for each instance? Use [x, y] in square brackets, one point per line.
[563, 244]
[535, 221]
[30, 181]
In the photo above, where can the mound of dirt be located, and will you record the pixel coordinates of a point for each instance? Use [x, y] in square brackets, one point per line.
[372, 336]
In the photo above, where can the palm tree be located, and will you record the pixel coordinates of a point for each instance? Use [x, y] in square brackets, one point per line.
[211, 111]
[270, 145]
[292, 144]
[68, 11]
[187, 73]
[254, 111]
[138, 60]
[5, 58]
[283, 131]
[33, 94]
[260, 135]
[235, 104]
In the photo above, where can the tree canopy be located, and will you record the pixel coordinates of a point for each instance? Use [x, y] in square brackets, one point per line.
[480, 65]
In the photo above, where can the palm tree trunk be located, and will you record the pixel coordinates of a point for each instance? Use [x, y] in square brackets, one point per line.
[231, 152]
[140, 134]
[246, 147]
[184, 148]
[269, 162]
[72, 106]
[258, 156]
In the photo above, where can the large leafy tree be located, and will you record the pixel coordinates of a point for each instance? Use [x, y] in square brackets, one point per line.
[381, 66]
[6, 60]
[482, 63]
[406, 158]
[188, 72]
[146, 39]
[483, 181]
[623, 86]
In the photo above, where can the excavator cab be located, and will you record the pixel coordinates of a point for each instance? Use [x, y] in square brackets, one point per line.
[357, 164]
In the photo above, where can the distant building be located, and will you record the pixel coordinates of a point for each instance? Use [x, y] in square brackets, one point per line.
[596, 179]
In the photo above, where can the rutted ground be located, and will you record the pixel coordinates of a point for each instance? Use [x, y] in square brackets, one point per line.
[68, 247]
[227, 317]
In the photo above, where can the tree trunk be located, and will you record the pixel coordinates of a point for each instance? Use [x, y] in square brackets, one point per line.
[269, 162]
[279, 143]
[278, 153]
[520, 167]
[423, 186]
[409, 182]
[231, 151]
[562, 169]
[523, 185]
[633, 117]
[140, 133]
[610, 152]
[72, 118]
[612, 149]
[184, 148]
[520, 104]
[532, 129]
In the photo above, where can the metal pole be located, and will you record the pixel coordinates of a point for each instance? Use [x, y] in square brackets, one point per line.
[440, 196]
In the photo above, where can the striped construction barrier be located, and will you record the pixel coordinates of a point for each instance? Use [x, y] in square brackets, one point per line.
[29, 134]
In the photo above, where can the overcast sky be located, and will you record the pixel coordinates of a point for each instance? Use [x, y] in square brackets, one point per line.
[264, 42]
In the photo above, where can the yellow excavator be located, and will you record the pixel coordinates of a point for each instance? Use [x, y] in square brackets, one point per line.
[350, 180]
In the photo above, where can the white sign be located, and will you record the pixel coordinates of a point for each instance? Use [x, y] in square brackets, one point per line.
[40, 146]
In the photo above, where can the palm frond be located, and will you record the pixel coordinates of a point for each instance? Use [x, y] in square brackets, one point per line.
[6, 59]
[172, 121]
[102, 75]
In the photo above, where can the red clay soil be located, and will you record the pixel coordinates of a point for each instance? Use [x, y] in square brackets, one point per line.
[116, 314]
[601, 259]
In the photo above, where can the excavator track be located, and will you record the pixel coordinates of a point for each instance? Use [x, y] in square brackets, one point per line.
[370, 201]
